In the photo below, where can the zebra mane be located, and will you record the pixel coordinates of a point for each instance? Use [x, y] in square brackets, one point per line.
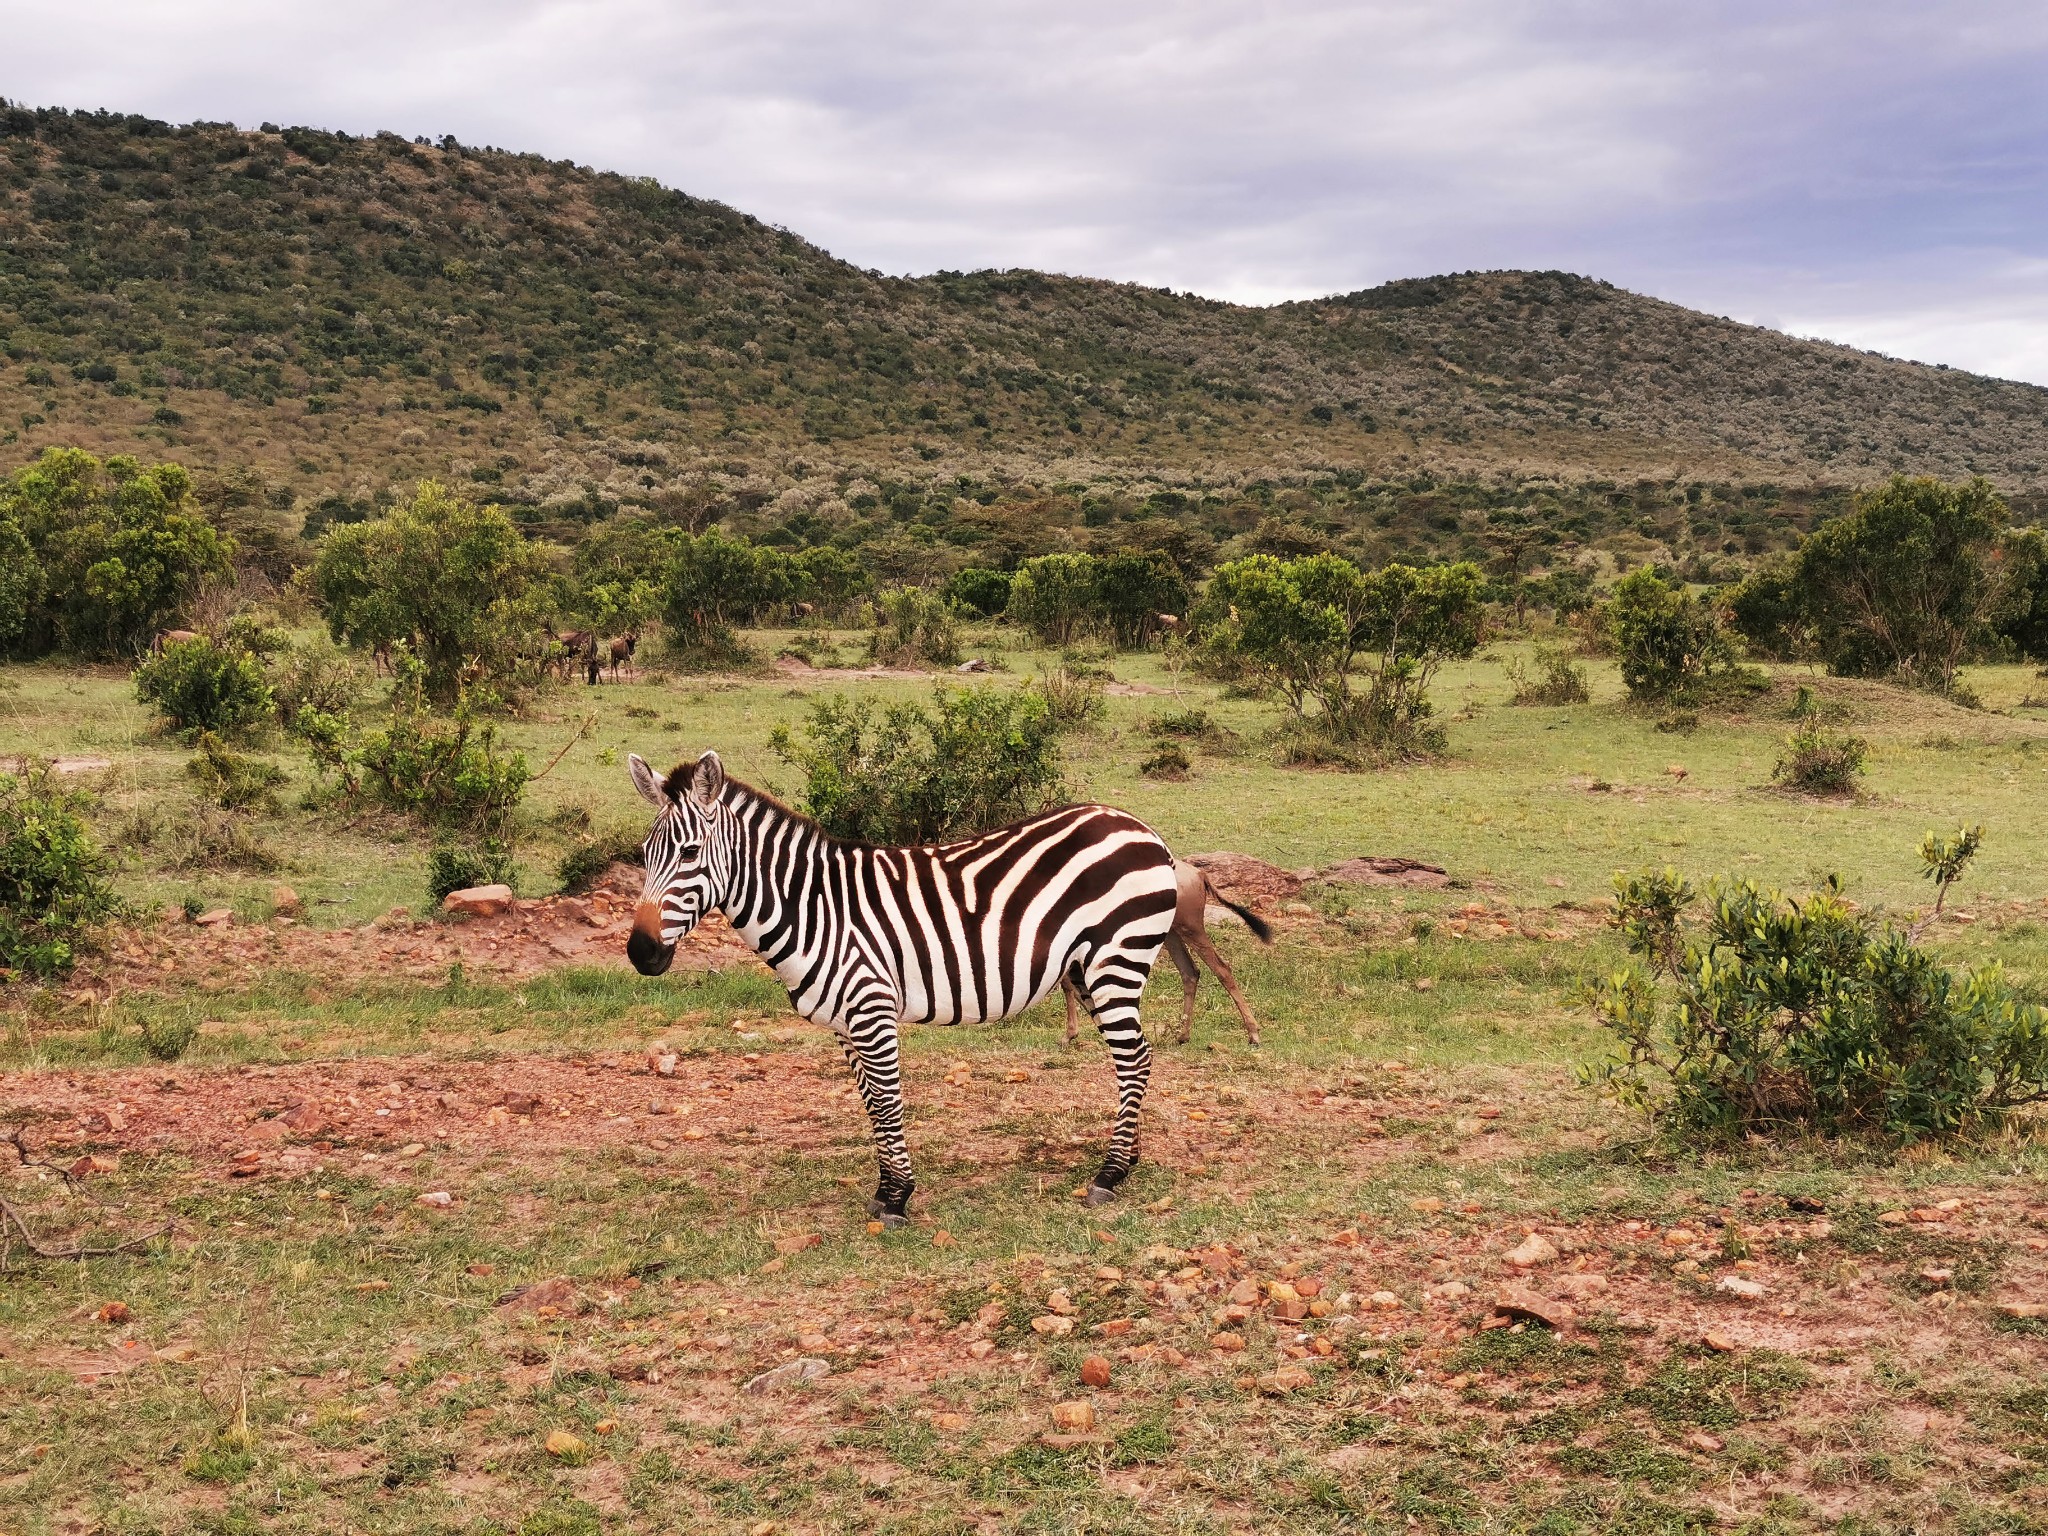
[684, 774]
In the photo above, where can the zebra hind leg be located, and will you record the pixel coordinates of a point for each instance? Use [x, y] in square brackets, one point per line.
[872, 1052]
[1113, 993]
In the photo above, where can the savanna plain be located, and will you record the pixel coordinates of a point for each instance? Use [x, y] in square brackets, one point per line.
[463, 1226]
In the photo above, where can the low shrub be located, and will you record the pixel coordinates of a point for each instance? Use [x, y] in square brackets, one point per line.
[448, 770]
[1074, 701]
[1819, 761]
[1562, 680]
[460, 866]
[1669, 641]
[583, 864]
[199, 686]
[168, 1031]
[54, 887]
[1779, 1015]
[1187, 725]
[978, 759]
[319, 679]
[983, 591]
[1169, 762]
[914, 627]
[232, 781]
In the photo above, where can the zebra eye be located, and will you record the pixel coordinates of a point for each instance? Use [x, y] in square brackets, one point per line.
[689, 852]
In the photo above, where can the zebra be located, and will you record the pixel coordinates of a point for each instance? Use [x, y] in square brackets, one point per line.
[867, 938]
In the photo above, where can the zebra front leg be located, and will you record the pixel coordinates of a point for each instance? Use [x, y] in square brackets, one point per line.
[1113, 999]
[872, 1050]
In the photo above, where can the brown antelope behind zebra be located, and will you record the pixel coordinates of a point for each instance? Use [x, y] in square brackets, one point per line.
[1189, 938]
[578, 652]
[620, 651]
[166, 637]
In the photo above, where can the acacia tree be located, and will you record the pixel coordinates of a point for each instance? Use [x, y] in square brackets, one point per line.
[456, 583]
[1352, 653]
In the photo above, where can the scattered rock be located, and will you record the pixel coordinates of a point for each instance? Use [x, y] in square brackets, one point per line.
[1579, 1287]
[1524, 1305]
[1288, 1378]
[478, 900]
[1095, 1371]
[1429, 1205]
[1376, 870]
[1227, 1343]
[798, 1243]
[794, 1373]
[1386, 1301]
[565, 1446]
[219, 917]
[284, 901]
[2036, 1310]
[1052, 1325]
[439, 1198]
[1719, 1343]
[1937, 1278]
[1530, 1251]
[1076, 1416]
[950, 1422]
[114, 1312]
[1700, 1440]
[1061, 1303]
[980, 1349]
[93, 1163]
[306, 1119]
[1242, 878]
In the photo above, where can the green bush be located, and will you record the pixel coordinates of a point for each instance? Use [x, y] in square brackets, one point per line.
[1074, 699]
[232, 781]
[1313, 629]
[102, 555]
[199, 686]
[1778, 1015]
[312, 678]
[1669, 641]
[914, 627]
[461, 866]
[1054, 597]
[53, 877]
[1819, 761]
[981, 591]
[980, 758]
[1563, 681]
[1168, 761]
[168, 1032]
[447, 770]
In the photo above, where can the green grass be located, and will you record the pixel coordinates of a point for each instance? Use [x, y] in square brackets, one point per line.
[422, 1406]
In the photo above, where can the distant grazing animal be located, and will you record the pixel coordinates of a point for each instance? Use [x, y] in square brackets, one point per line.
[1191, 933]
[868, 938]
[166, 637]
[380, 658]
[621, 651]
[802, 611]
[1170, 622]
[579, 652]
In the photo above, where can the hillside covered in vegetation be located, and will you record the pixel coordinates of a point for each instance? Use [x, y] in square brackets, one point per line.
[314, 321]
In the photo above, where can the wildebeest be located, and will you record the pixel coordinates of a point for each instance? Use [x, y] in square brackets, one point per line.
[802, 611]
[380, 659]
[578, 651]
[620, 651]
[1189, 938]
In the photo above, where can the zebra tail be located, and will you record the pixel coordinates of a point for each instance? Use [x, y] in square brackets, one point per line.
[1261, 929]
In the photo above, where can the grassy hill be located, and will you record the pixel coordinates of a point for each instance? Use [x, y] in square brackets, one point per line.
[315, 318]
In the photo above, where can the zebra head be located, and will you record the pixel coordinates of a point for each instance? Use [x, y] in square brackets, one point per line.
[684, 857]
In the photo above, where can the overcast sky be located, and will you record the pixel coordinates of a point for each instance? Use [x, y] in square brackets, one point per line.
[1873, 171]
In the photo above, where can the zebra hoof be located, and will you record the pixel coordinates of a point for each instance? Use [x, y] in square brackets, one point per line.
[1097, 1195]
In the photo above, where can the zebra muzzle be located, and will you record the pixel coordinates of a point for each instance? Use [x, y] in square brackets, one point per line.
[644, 947]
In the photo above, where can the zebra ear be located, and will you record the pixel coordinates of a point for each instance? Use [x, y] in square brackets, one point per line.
[710, 779]
[644, 780]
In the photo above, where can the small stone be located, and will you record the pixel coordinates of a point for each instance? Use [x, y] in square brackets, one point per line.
[1075, 1417]
[1451, 1290]
[439, 1198]
[1429, 1205]
[1700, 1440]
[565, 1446]
[1288, 1378]
[412, 1149]
[1052, 1325]
[1938, 1278]
[114, 1312]
[1719, 1343]
[799, 1242]
[1061, 1303]
[2035, 1310]
[557, 1293]
[478, 900]
[1095, 1371]
[792, 1374]
[219, 917]
[1738, 1285]
[1244, 1293]
[1425, 983]
[1524, 1305]
[980, 1349]
[950, 1422]
[284, 901]
[944, 1239]
[1532, 1250]
[1227, 1343]
[1579, 1287]
[1893, 1218]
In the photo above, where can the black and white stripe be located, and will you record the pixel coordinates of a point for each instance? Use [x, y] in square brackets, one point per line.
[868, 938]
